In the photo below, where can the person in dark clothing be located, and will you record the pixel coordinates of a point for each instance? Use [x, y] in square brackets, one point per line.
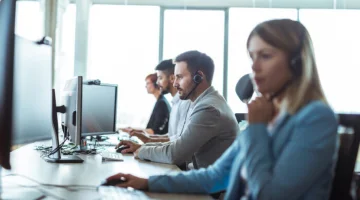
[159, 119]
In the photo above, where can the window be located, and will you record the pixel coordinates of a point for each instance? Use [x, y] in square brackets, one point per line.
[67, 45]
[29, 20]
[335, 35]
[123, 50]
[241, 22]
[201, 30]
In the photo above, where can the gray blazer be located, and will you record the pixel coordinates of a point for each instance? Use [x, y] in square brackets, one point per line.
[209, 130]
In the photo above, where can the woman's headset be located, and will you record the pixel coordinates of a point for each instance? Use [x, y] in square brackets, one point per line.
[296, 59]
[295, 64]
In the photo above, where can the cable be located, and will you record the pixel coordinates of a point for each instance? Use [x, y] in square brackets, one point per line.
[56, 149]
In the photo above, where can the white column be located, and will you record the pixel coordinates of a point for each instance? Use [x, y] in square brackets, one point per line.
[50, 22]
[61, 9]
[81, 37]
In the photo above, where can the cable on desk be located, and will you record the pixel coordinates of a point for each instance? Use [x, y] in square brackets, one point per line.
[46, 152]
[58, 147]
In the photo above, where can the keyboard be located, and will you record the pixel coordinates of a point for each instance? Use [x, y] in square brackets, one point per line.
[103, 143]
[112, 156]
[111, 192]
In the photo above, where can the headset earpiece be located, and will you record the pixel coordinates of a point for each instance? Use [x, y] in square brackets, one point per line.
[296, 58]
[197, 78]
[296, 65]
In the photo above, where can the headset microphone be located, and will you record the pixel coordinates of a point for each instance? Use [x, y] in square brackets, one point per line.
[197, 80]
[281, 90]
[191, 91]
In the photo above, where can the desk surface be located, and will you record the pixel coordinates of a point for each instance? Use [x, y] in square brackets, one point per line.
[27, 161]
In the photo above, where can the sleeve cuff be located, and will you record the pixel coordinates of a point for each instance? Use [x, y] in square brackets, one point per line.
[255, 130]
[142, 153]
[152, 183]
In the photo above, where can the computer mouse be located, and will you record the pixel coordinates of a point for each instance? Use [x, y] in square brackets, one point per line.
[112, 182]
[122, 147]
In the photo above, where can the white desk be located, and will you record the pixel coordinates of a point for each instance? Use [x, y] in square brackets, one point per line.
[27, 161]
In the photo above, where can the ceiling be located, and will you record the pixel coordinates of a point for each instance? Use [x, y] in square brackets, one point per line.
[328, 4]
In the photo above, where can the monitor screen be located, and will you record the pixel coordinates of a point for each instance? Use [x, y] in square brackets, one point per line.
[99, 109]
[32, 92]
[25, 86]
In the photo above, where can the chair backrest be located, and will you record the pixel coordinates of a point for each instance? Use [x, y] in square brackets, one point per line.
[240, 117]
[349, 145]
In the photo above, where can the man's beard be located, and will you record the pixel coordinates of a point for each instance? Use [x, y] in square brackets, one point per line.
[165, 91]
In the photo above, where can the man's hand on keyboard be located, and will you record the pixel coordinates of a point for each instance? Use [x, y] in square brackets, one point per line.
[130, 181]
[127, 129]
[141, 135]
[132, 146]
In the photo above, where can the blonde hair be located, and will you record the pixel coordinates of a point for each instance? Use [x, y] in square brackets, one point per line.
[293, 38]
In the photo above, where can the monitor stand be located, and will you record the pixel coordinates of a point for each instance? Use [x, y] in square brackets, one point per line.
[101, 138]
[64, 159]
[56, 157]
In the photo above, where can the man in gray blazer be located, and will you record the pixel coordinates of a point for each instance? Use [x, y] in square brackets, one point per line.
[210, 126]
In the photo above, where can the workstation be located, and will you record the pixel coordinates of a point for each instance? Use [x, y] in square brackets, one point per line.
[79, 113]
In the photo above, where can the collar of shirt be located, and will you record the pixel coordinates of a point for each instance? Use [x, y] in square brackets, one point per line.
[202, 95]
[175, 99]
[278, 120]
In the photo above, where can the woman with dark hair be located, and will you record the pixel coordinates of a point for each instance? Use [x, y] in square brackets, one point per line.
[288, 150]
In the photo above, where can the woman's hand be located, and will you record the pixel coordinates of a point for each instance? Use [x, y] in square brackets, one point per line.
[260, 110]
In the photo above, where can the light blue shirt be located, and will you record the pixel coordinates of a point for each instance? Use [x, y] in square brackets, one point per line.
[296, 162]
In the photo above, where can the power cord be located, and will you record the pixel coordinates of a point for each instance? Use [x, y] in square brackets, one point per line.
[45, 149]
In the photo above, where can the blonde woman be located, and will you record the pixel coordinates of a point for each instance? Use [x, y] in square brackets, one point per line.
[289, 149]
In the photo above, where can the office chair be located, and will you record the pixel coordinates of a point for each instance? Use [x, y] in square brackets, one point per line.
[240, 117]
[349, 145]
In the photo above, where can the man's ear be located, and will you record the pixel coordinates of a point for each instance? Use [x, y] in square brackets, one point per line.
[202, 74]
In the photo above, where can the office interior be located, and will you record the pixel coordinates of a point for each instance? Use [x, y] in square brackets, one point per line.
[121, 41]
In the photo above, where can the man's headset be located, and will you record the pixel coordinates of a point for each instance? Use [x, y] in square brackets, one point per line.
[197, 78]
[295, 65]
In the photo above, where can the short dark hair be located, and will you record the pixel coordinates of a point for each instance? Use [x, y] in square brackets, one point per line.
[167, 66]
[197, 61]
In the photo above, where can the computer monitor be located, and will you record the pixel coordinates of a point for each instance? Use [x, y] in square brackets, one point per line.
[55, 155]
[7, 28]
[99, 104]
[25, 87]
[72, 99]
